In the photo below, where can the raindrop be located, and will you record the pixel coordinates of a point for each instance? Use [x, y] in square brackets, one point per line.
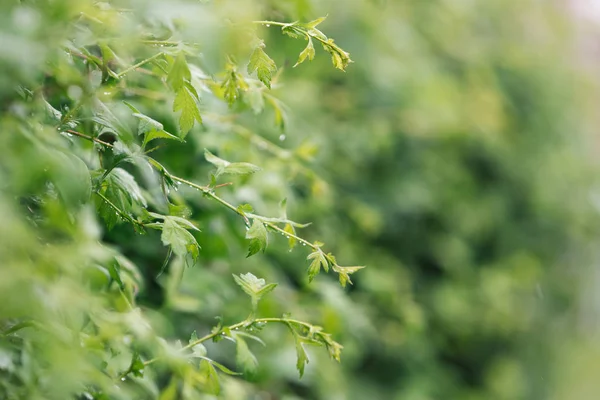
[106, 93]
[281, 137]
[303, 244]
[268, 25]
[123, 379]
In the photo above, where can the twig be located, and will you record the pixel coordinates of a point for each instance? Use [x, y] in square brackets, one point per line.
[90, 138]
[135, 66]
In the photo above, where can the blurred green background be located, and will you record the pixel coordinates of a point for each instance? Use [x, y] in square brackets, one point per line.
[456, 159]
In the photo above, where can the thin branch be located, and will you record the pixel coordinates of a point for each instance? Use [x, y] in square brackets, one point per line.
[209, 192]
[135, 66]
[90, 138]
[119, 211]
[234, 327]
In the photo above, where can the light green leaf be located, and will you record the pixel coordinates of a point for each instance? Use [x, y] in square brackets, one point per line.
[302, 357]
[289, 228]
[308, 52]
[344, 274]
[241, 168]
[224, 368]
[214, 160]
[212, 384]
[244, 357]
[181, 241]
[179, 73]
[226, 167]
[318, 261]
[313, 24]
[262, 64]
[187, 104]
[198, 350]
[258, 237]
[253, 286]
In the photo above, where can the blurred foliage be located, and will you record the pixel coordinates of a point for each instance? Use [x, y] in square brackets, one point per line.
[150, 147]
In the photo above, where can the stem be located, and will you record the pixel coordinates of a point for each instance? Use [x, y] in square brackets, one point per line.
[207, 191]
[147, 60]
[267, 23]
[161, 42]
[118, 210]
[233, 327]
[92, 139]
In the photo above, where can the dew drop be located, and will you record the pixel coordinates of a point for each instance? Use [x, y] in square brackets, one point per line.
[281, 137]
[268, 25]
[123, 379]
[303, 244]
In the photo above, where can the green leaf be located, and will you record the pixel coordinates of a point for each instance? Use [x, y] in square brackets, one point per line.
[258, 237]
[152, 129]
[187, 104]
[308, 52]
[224, 368]
[226, 167]
[241, 168]
[302, 357]
[198, 350]
[289, 228]
[170, 392]
[212, 385]
[181, 241]
[214, 160]
[339, 57]
[253, 286]
[244, 357]
[313, 24]
[137, 366]
[262, 64]
[245, 208]
[344, 274]
[179, 73]
[318, 261]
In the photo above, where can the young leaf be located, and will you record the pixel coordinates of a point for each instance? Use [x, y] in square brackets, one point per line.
[308, 52]
[258, 237]
[244, 357]
[212, 385]
[226, 167]
[198, 350]
[181, 241]
[179, 73]
[313, 24]
[289, 228]
[253, 286]
[302, 357]
[262, 64]
[152, 129]
[137, 366]
[344, 274]
[187, 104]
[318, 261]
[241, 168]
